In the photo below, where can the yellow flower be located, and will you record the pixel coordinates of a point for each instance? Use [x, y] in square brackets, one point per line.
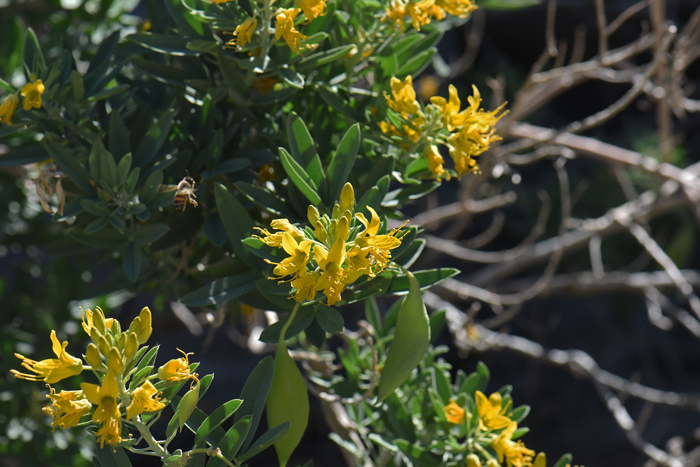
[244, 33]
[145, 398]
[284, 28]
[312, 8]
[451, 116]
[67, 407]
[299, 255]
[275, 239]
[454, 413]
[491, 415]
[404, 96]
[306, 287]
[460, 8]
[396, 12]
[514, 453]
[176, 369]
[32, 94]
[107, 413]
[435, 162]
[95, 319]
[51, 370]
[7, 108]
[332, 279]
[379, 245]
[420, 12]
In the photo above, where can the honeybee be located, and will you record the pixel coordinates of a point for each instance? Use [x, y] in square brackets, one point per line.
[185, 193]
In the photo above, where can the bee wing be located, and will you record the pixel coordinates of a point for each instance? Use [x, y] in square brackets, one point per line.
[166, 188]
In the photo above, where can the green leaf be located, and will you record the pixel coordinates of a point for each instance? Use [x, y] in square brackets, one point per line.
[288, 401]
[33, 56]
[133, 257]
[234, 82]
[437, 323]
[411, 254]
[416, 64]
[187, 405]
[564, 460]
[400, 284]
[303, 150]
[265, 441]
[441, 384]
[338, 103]
[123, 169]
[237, 222]
[411, 340]
[186, 23]
[24, 155]
[232, 441]
[221, 290]
[69, 164]
[108, 167]
[519, 414]
[291, 77]
[326, 56]
[302, 320]
[254, 395]
[210, 47]
[165, 73]
[508, 5]
[105, 51]
[280, 97]
[329, 319]
[106, 238]
[109, 456]
[343, 161]
[154, 139]
[163, 43]
[264, 199]
[299, 177]
[76, 81]
[372, 314]
[149, 233]
[216, 418]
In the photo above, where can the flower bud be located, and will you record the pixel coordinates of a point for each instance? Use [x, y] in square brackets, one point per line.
[114, 362]
[336, 212]
[493, 463]
[131, 346]
[313, 215]
[98, 320]
[343, 229]
[120, 341]
[540, 460]
[145, 330]
[103, 345]
[92, 356]
[347, 198]
[135, 325]
[473, 461]
[115, 328]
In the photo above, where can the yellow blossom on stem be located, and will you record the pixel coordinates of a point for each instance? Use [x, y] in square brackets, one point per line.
[451, 116]
[7, 108]
[275, 239]
[145, 398]
[67, 407]
[32, 94]
[176, 369]
[514, 453]
[492, 416]
[379, 245]
[435, 162]
[312, 8]
[332, 280]
[96, 319]
[51, 370]
[244, 33]
[403, 97]
[396, 12]
[454, 413]
[284, 28]
[420, 12]
[459, 8]
[306, 287]
[107, 412]
[299, 255]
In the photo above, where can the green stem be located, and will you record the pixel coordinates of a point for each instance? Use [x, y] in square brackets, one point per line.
[267, 18]
[148, 437]
[289, 322]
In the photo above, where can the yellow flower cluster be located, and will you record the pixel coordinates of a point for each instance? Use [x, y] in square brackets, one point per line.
[495, 424]
[466, 133]
[422, 12]
[284, 24]
[112, 355]
[336, 255]
[32, 100]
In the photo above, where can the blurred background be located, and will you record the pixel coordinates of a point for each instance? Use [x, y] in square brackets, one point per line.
[41, 288]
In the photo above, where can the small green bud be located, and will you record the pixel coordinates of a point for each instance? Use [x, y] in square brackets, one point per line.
[313, 215]
[347, 198]
[114, 362]
[336, 212]
[145, 330]
[135, 325]
[473, 461]
[187, 405]
[103, 345]
[92, 356]
[132, 345]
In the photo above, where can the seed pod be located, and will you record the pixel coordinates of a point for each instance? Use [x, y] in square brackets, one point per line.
[187, 405]
[411, 340]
